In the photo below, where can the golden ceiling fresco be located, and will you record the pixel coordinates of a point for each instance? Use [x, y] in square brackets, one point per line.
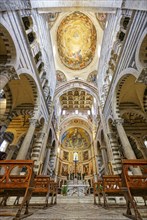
[75, 138]
[76, 39]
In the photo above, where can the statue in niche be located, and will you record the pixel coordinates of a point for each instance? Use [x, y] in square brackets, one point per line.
[86, 169]
[65, 155]
[64, 169]
[85, 155]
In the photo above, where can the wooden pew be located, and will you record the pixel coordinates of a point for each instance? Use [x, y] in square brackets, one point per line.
[44, 186]
[112, 186]
[16, 185]
[136, 185]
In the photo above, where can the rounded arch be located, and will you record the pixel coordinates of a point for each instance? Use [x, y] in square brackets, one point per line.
[117, 88]
[35, 91]
[73, 84]
[83, 122]
[8, 45]
[68, 125]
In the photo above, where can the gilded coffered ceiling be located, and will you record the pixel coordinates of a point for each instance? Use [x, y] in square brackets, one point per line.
[76, 99]
[75, 138]
[76, 41]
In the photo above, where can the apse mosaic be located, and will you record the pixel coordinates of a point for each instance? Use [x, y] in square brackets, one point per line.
[76, 39]
[75, 138]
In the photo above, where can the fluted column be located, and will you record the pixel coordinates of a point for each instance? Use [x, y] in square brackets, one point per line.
[27, 140]
[105, 159]
[46, 162]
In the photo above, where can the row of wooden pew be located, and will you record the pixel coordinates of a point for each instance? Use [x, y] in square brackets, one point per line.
[28, 185]
[127, 184]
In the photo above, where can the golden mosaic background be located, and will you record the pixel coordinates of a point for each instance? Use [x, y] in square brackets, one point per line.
[75, 138]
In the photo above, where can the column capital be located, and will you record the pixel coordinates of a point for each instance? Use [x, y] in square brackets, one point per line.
[33, 121]
[112, 135]
[13, 146]
[40, 135]
[9, 72]
[143, 76]
[103, 148]
[118, 121]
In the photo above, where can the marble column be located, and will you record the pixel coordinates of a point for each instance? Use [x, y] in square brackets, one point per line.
[11, 151]
[27, 140]
[96, 159]
[116, 164]
[105, 159]
[128, 151]
[44, 143]
[46, 162]
[56, 167]
[37, 149]
[93, 159]
[4, 128]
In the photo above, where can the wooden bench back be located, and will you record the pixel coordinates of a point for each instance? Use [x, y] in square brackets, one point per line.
[42, 183]
[133, 181]
[8, 177]
[112, 183]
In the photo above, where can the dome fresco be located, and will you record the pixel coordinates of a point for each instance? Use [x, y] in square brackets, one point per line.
[76, 40]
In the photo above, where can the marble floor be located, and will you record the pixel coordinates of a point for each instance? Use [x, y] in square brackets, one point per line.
[78, 210]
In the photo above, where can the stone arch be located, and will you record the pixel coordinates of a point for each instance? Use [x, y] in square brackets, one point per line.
[35, 91]
[73, 84]
[8, 53]
[124, 75]
[22, 103]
